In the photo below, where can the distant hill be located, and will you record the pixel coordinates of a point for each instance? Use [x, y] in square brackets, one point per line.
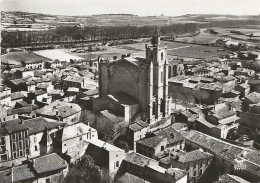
[18, 17]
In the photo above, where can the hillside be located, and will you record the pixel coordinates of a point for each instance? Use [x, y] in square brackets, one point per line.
[17, 17]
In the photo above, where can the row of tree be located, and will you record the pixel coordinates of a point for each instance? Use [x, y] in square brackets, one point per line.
[65, 34]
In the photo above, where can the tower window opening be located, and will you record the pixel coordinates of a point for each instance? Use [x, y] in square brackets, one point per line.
[154, 108]
[162, 56]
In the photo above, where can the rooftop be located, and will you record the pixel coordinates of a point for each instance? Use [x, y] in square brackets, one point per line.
[111, 116]
[225, 150]
[227, 178]
[138, 126]
[123, 98]
[104, 145]
[151, 142]
[75, 130]
[253, 97]
[138, 159]
[194, 156]
[59, 109]
[48, 163]
[38, 124]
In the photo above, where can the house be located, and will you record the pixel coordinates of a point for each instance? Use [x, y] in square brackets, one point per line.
[243, 88]
[16, 97]
[176, 68]
[61, 111]
[254, 85]
[5, 100]
[17, 85]
[92, 65]
[230, 178]
[224, 120]
[73, 81]
[23, 112]
[107, 156]
[149, 170]
[34, 64]
[198, 72]
[24, 72]
[228, 158]
[37, 127]
[109, 123]
[5, 90]
[251, 98]
[14, 142]
[158, 144]
[135, 132]
[72, 141]
[194, 162]
[227, 82]
[54, 64]
[48, 168]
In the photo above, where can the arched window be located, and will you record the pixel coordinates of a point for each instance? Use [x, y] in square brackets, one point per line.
[154, 108]
[162, 106]
[169, 72]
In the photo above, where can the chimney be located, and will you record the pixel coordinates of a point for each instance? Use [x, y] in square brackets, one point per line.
[172, 136]
[21, 121]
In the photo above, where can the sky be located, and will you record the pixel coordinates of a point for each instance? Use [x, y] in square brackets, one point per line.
[137, 7]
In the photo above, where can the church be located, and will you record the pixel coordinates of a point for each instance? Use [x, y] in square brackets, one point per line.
[136, 88]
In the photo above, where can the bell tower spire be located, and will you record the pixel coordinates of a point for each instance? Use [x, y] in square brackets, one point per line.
[155, 41]
[159, 103]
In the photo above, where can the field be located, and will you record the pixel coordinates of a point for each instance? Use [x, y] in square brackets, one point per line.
[16, 58]
[242, 32]
[173, 49]
[59, 54]
[239, 33]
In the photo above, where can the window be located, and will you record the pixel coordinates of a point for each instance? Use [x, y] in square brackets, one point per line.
[27, 151]
[35, 139]
[14, 146]
[21, 153]
[4, 157]
[162, 56]
[162, 148]
[117, 164]
[26, 143]
[194, 174]
[35, 148]
[13, 136]
[48, 180]
[20, 144]
[2, 140]
[187, 167]
[14, 155]
[26, 134]
[20, 135]
[80, 138]
[161, 76]
[200, 173]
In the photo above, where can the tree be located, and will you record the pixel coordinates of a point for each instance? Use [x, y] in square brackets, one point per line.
[84, 172]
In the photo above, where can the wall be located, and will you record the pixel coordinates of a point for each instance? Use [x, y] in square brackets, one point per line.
[250, 120]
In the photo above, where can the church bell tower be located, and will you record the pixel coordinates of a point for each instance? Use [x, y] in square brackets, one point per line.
[156, 57]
